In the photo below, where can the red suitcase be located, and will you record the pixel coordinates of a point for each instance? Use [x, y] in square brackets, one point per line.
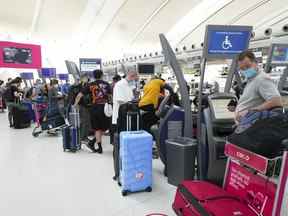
[199, 198]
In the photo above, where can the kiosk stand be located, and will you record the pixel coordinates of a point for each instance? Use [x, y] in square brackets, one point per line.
[47, 74]
[278, 57]
[73, 70]
[28, 78]
[64, 83]
[215, 122]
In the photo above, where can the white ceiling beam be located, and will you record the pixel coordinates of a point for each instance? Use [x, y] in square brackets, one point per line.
[149, 20]
[35, 19]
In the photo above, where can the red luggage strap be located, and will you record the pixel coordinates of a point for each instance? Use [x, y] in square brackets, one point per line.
[196, 203]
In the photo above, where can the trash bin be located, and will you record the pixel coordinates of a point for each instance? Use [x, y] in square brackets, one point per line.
[181, 155]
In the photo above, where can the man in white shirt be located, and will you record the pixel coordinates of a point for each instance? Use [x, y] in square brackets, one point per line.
[123, 93]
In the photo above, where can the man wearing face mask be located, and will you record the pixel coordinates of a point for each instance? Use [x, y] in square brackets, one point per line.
[260, 92]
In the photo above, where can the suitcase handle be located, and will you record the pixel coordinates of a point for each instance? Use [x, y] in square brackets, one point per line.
[135, 132]
[187, 195]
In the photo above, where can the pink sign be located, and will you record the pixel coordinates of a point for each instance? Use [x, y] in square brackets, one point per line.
[257, 192]
[249, 158]
[18, 55]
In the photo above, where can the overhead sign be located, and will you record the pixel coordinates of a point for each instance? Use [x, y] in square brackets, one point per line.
[90, 64]
[27, 75]
[63, 76]
[18, 55]
[47, 73]
[226, 41]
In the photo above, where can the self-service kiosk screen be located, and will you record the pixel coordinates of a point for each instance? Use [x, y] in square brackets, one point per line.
[285, 101]
[280, 54]
[221, 110]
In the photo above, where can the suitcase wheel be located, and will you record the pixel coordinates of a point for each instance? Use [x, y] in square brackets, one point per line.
[73, 150]
[36, 134]
[125, 193]
[148, 189]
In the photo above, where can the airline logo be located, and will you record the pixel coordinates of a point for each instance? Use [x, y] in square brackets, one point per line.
[242, 156]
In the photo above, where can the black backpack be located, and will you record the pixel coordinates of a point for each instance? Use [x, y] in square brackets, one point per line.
[29, 93]
[7, 95]
[73, 92]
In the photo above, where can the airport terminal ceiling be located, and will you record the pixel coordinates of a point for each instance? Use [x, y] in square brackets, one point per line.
[113, 29]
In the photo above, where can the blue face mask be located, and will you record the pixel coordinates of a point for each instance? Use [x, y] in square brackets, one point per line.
[249, 73]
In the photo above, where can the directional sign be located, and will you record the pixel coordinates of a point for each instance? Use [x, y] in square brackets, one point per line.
[48, 73]
[89, 64]
[27, 75]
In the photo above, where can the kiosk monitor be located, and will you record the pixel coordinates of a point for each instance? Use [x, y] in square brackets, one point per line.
[280, 54]
[220, 108]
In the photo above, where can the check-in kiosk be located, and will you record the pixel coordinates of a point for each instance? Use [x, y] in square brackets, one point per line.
[73, 69]
[46, 74]
[277, 67]
[177, 121]
[28, 78]
[64, 83]
[215, 122]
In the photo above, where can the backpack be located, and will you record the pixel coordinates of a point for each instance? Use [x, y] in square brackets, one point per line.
[73, 92]
[7, 95]
[29, 93]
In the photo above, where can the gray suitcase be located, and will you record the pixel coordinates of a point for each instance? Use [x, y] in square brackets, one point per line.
[74, 118]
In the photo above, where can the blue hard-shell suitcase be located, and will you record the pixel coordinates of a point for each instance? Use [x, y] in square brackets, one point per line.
[135, 161]
[71, 139]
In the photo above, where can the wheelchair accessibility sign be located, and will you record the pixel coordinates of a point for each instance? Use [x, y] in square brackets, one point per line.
[226, 44]
[226, 41]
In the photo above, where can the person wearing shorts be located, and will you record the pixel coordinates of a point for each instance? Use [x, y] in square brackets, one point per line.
[100, 92]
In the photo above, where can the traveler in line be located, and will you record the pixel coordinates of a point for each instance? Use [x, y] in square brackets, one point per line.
[100, 92]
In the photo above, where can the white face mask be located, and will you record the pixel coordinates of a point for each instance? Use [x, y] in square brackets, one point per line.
[56, 86]
[132, 84]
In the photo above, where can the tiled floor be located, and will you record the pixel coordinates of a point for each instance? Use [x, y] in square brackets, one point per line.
[38, 179]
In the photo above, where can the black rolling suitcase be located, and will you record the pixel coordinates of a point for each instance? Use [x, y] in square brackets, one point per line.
[21, 116]
[132, 111]
[128, 120]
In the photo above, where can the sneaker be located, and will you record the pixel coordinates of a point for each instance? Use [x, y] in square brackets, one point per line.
[99, 150]
[90, 146]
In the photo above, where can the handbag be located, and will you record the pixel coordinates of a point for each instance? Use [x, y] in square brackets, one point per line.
[108, 110]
